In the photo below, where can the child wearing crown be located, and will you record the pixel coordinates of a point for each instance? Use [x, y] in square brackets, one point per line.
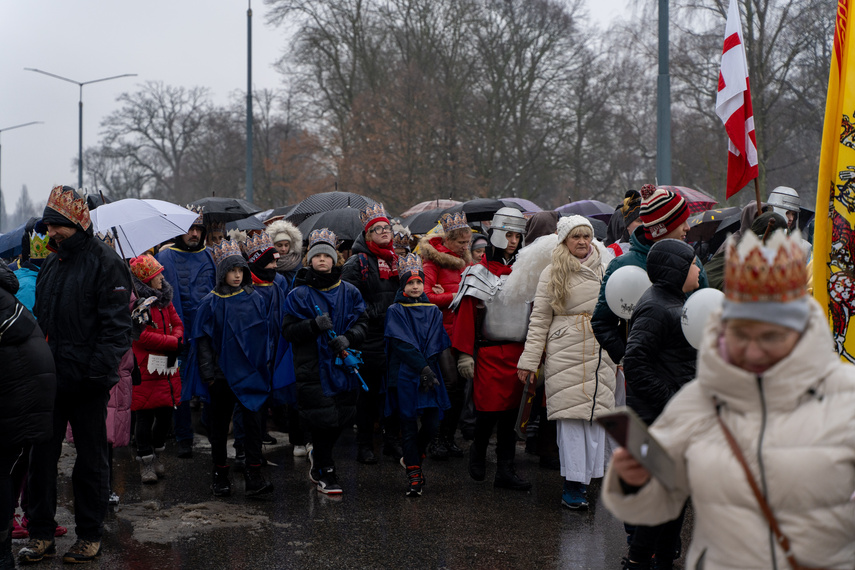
[234, 364]
[415, 338]
[324, 316]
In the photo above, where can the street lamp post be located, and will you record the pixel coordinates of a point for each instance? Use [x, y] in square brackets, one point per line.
[249, 192]
[80, 113]
[1, 164]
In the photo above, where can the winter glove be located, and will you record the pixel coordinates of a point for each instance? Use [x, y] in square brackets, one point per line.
[323, 322]
[339, 343]
[466, 366]
[427, 380]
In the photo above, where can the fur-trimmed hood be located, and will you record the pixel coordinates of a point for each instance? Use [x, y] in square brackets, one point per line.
[282, 229]
[432, 249]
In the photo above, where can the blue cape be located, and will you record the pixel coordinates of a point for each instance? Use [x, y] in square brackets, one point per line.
[274, 295]
[420, 326]
[192, 275]
[344, 304]
[235, 323]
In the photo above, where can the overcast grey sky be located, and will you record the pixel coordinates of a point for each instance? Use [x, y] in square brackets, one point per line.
[180, 42]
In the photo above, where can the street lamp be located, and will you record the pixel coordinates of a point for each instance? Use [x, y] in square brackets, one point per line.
[1, 163]
[80, 113]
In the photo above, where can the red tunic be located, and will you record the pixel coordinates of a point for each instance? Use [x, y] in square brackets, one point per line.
[496, 385]
[160, 337]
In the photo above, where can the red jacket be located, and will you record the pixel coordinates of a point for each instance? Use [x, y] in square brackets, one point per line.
[443, 267]
[160, 337]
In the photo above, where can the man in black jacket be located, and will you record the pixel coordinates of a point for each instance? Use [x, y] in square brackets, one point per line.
[82, 306]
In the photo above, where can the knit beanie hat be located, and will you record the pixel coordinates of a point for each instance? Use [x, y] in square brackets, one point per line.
[631, 208]
[766, 281]
[145, 267]
[322, 241]
[479, 241]
[662, 211]
[570, 223]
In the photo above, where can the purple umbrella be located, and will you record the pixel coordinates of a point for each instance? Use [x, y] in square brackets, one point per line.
[588, 208]
[521, 203]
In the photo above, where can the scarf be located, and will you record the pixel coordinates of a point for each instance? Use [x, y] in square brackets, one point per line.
[387, 254]
[288, 261]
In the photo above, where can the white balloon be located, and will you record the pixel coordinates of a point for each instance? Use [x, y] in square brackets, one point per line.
[624, 288]
[696, 311]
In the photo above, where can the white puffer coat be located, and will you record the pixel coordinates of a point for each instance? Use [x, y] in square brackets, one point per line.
[795, 426]
[580, 378]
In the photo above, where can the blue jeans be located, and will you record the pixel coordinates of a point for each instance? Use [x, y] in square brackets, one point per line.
[414, 441]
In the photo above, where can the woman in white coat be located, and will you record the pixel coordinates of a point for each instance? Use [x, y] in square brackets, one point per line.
[579, 376]
[767, 374]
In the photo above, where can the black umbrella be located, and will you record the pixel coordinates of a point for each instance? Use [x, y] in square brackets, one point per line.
[344, 222]
[246, 225]
[481, 209]
[280, 212]
[216, 209]
[703, 226]
[423, 222]
[600, 228]
[326, 201]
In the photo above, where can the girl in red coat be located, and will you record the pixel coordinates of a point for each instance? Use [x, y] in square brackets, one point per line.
[156, 351]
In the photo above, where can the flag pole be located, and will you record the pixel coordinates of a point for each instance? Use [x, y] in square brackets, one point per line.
[757, 197]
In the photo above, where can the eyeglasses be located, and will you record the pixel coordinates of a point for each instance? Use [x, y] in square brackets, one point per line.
[769, 342]
[381, 229]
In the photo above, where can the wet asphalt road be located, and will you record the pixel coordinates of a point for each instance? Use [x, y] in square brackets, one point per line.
[457, 523]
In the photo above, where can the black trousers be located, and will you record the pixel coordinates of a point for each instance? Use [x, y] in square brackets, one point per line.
[660, 541]
[455, 386]
[506, 437]
[86, 410]
[370, 404]
[9, 458]
[151, 430]
[324, 440]
[222, 406]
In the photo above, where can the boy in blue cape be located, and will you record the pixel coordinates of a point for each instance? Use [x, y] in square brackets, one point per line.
[326, 392]
[231, 331]
[415, 338]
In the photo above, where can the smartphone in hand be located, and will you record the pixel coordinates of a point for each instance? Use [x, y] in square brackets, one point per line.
[630, 432]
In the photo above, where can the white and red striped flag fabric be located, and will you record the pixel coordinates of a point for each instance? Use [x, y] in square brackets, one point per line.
[733, 106]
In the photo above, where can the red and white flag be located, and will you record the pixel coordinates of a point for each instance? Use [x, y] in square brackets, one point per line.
[733, 106]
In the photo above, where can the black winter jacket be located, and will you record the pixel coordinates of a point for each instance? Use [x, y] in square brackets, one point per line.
[378, 294]
[28, 382]
[659, 360]
[316, 409]
[82, 296]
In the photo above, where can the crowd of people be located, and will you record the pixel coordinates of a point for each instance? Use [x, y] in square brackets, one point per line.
[427, 337]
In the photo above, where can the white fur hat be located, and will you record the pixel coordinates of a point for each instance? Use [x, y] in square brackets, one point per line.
[282, 230]
[570, 223]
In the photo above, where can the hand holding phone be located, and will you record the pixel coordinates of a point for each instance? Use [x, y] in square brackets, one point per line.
[631, 433]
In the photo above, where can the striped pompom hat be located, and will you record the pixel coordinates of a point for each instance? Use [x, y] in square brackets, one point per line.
[662, 211]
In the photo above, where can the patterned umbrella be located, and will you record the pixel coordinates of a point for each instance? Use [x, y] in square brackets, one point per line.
[326, 201]
[588, 208]
[696, 201]
[429, 205]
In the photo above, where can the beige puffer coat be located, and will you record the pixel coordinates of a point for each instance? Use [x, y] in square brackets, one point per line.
[580, 378]
[796, 428]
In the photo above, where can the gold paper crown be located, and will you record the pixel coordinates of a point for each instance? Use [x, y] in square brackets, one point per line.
[322, 236]
[38, 245]
[410, 263]
[401, 238]
[75, 209]
[258, 245]
[107, 238]
[200, 219]
[145, 267]
[226, 248]
[454, 221]
[371, 213]
[772, 272]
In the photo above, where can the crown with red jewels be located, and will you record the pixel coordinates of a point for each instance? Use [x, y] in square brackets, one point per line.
[774, 271]
[401, 238]
[75, 209]
[455, 221]
[258, 245]
[38, 245]
[200, 219]
[145, 267]
[226, 248]
[408, 264]
[322, 236]
[371, 213]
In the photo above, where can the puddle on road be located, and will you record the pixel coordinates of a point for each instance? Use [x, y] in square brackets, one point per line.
[152, 523]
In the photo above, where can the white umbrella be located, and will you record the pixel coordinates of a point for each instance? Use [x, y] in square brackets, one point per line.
[141, 224]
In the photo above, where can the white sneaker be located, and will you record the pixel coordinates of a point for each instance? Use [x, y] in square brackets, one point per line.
[300, 451]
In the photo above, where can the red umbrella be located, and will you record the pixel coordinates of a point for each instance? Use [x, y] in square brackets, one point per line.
[429, 205]
[696, 201]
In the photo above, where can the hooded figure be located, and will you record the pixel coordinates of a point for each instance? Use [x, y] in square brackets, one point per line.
[288, 242]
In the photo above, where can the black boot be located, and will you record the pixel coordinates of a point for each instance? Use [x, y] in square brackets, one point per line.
[392, 448]
[365, 455]
[477, 462]
[507, 478]
[437, 449]
[627, 564]
[451, 447]
[221, 486]
[240, 459]
[256, 484]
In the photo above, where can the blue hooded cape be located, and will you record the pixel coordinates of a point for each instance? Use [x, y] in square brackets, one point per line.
[274, 294]
[235, 323]
[344, 304]
[415, 338]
